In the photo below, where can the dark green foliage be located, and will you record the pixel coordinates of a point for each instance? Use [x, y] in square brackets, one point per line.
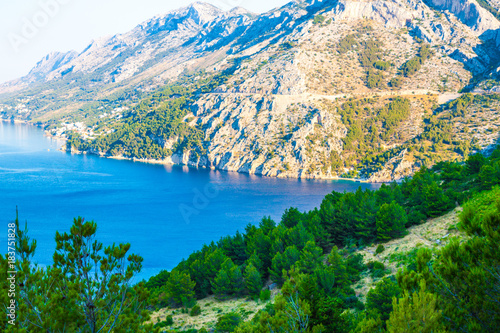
[410, 67]
[380, 249]
[88, 288]
[460, 105]
[267, 225]
[339, 267]
[259, 243]
[310, 258]
[169, 321]
[328, 313]
[465, 273]
[396, 111]
[316, 290]
[379, 299]
[354, 267]
[489, 175]
[474, 163]
[436, 202]
[396, 82]
[377, 269]
[325, 277]
[228, 322]
[391, 221]
[253, 280]
[265, 295]
[234, 247]
[375, 79]
[195, 311]
[228, 281]
[370, 53]
[291, 217]
[158, 280]
[283, 261]
[179, 288]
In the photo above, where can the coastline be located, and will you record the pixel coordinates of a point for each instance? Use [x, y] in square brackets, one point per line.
[170, 162]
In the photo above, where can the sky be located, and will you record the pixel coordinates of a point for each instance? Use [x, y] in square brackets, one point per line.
[30, 29]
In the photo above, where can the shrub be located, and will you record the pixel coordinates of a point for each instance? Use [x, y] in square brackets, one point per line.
[373, 265]
[380, 249]
[228, 322]
[411, 66]
[195, 311]
[169, 321]
[319, 19]
[396, 82]
[265, 295]
[382, 65]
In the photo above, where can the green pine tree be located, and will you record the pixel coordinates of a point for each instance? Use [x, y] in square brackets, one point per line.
[179, 288]
[253, 280]
[310, 258]
[283, 262]
[391, 220]
[417, 312]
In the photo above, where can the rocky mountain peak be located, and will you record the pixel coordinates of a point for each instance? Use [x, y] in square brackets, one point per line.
[202, 12]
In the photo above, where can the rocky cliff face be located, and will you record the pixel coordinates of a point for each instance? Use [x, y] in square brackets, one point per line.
[470, 13]
[52, 62]
[279, 112]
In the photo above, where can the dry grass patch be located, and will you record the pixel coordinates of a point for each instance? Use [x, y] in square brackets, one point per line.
[211, 310]
[436, 232]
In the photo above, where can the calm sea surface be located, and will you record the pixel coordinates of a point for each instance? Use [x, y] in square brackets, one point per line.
[165, 212]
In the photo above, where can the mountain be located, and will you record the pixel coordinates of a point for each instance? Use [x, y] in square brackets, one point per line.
[314, 89]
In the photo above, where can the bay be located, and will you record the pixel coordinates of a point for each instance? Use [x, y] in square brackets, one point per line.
[165, 212]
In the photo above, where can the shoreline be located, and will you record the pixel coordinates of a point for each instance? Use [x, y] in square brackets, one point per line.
[166, 162]
[170, 162]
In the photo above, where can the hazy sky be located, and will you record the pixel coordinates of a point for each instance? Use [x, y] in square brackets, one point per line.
[30, 29]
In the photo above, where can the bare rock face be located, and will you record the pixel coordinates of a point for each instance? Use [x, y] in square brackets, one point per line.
[50, 63]
[392, 14]
[470, 13]
[260, 134]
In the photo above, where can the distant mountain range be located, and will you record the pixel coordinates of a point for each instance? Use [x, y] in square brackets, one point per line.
[314, 89]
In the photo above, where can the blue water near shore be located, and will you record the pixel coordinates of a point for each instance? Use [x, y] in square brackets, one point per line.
[165, 212]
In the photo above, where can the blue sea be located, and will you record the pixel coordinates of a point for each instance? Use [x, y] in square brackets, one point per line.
[165, 212]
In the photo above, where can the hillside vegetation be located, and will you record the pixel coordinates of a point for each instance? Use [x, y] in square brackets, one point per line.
[339, 267]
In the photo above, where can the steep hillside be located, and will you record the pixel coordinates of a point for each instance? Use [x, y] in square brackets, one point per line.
[315, 89]
[340, 266]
